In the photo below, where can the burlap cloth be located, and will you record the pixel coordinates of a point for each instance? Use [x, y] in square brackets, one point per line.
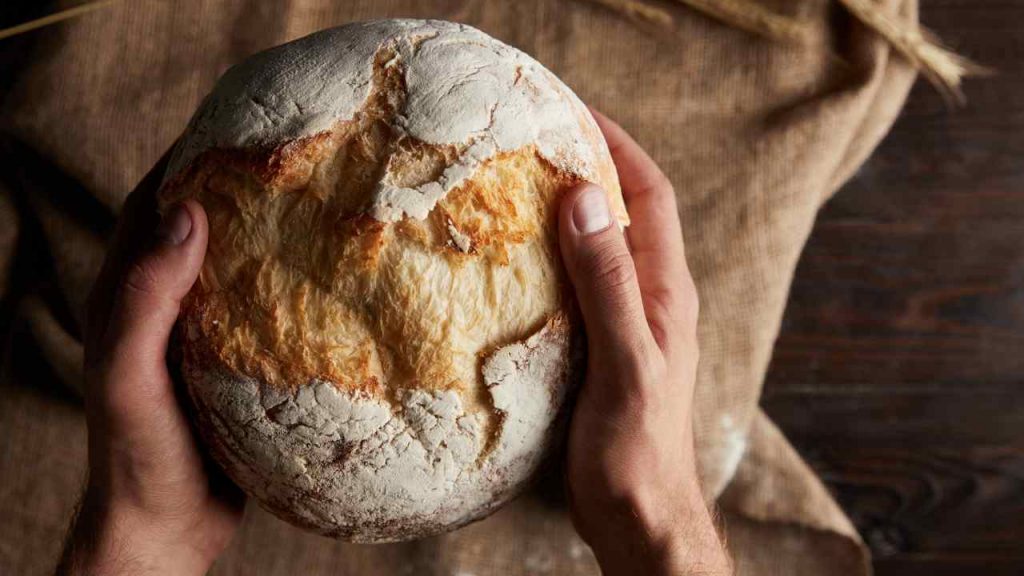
[755, 134]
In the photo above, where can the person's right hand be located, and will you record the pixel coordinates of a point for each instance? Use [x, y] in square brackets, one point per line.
[631, 469]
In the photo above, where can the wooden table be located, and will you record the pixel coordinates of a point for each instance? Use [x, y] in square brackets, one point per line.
[899, 372]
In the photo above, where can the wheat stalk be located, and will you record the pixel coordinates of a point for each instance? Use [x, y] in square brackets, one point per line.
[638, 10]
[54, 18]
[751, 16]
[942, 67]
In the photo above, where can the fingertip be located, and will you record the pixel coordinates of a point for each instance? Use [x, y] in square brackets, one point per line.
[198, 226]
[566, 229]
[170, 265]
[197, 211]
[569, 200]
[596, 257]
[584, 211]
[179, 240]
[192, 250]
[590, 212]
[175, 226]
[599, 116]
[187, 250]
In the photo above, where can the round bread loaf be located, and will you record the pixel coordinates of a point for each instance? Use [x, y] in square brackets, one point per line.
[379, 346]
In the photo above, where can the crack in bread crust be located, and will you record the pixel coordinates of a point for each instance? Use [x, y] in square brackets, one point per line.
[351, 466]
[366, 283]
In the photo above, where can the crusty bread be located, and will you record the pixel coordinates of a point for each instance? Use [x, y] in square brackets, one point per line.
[378, 346]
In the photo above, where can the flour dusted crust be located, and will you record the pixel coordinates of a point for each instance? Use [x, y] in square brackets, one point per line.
[378, 346]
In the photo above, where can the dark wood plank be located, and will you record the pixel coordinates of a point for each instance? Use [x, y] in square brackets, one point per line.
[899, 371]
[913, 271]
[950, 417]
[948, 565]
[920, 501]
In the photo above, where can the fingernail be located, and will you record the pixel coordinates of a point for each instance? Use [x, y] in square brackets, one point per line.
[590, 214]
[175, 226]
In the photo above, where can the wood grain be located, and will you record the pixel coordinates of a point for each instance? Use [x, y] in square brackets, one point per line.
[899, 372]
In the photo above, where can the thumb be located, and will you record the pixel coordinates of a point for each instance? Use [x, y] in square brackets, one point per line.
[603, 274]
[149, 292]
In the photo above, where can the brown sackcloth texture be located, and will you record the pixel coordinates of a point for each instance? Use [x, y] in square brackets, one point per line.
[754, 134]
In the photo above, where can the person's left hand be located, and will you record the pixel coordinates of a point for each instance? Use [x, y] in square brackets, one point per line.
[153, 504]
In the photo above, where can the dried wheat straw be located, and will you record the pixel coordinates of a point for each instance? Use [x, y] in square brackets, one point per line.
[54, 18]
[942, 67]
[637, 10]
[753, 17]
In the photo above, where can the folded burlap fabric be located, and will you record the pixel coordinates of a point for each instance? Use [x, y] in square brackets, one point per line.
[755, 133]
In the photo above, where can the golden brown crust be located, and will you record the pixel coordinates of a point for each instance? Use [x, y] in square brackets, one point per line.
[378, 340]
[274, 304]
[301, 283]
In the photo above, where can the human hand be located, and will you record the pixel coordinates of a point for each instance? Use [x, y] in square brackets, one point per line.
[152, 504]
[631, 469]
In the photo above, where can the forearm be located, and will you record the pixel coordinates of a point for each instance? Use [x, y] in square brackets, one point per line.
[683, 541]
[110, 539]
[696, 548]
[697, 551]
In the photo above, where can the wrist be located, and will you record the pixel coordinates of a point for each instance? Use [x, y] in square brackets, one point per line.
[639, 533]
[111, 537]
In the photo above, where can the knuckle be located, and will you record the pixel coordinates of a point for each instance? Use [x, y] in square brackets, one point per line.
[140, 278]
[641, 374]
[663, 185]
[662, 333]
[611, 267]
[663, 304]
[672, 311]
[659, 187]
